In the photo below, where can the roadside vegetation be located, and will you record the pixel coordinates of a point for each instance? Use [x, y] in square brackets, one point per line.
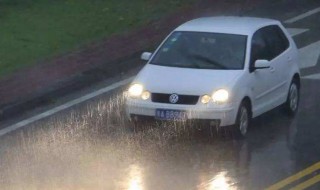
[35, 30]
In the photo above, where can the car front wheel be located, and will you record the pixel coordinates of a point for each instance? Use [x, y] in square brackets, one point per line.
[292, 103]
[243, 120]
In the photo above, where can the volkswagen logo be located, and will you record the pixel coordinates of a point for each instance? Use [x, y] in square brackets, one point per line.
[173, 98]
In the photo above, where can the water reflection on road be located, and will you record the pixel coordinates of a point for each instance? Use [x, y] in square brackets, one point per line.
[221, 163]
[85, 154]
[140, 161]
[221, 182]
[135, 178]
[201, 166]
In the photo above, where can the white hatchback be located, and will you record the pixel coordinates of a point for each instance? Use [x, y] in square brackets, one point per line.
[226, 70]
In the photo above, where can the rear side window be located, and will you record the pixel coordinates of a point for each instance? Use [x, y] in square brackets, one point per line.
[268, 43]
[276, 40]
[259, 48]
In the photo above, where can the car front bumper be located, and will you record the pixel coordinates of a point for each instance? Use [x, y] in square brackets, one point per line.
[225, 115]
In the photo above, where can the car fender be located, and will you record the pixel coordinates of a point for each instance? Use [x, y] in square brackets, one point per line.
[240, 90]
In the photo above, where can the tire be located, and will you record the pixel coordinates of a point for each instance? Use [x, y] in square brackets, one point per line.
[243, 120]
[292, 104]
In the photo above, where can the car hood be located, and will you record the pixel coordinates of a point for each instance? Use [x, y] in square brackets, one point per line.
[162, 79]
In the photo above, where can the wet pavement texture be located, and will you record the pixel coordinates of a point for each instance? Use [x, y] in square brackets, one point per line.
[89, 147]
[93, 150]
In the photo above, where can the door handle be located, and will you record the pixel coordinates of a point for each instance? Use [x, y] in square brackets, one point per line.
[272, 69]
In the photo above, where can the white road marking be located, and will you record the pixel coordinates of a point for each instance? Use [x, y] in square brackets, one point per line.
[313, 77]
[302, 16]
[296, 31]
[309, 55]
[64, 106]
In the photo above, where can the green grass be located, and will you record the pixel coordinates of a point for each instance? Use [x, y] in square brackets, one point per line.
[35, 30]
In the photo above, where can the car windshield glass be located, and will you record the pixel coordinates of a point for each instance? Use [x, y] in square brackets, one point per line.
[202, 50]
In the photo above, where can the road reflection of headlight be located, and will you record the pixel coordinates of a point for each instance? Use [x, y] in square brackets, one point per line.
[135, 178]
[218, 182]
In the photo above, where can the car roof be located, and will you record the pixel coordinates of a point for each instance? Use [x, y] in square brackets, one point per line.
[227, 24]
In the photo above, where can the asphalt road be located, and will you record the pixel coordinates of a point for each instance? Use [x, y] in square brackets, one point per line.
[49, 157]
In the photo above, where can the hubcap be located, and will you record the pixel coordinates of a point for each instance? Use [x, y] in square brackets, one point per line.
[293, 97]
[244, 120]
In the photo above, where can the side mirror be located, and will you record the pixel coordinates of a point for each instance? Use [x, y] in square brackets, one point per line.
[262, 64]
[146, 56]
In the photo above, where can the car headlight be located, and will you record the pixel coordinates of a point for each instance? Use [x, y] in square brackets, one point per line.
[135, 90]
[220, 96]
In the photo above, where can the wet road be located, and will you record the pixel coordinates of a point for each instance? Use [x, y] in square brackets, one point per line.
[93, 150]
[88, 147]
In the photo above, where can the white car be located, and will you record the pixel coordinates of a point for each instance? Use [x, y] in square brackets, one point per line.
[225, 70]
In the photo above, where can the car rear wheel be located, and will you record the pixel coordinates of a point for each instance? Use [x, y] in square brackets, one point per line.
[243, 120]
[292, 103]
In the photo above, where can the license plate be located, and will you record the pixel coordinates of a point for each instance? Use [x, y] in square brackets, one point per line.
[164, 114]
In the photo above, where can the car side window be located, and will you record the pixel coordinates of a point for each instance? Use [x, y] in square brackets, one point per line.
[276, 40]
[259, 48]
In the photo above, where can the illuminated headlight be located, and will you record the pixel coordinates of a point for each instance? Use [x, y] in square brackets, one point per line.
[220, 96]
[205, 99]
[135, 90]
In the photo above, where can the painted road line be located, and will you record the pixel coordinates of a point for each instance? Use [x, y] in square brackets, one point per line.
[309, 55]
[295, 177]
[296, 31]
[302, 16]
[307, 183]
[64, 106]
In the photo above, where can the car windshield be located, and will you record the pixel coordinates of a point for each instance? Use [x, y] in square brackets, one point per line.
[202, 50]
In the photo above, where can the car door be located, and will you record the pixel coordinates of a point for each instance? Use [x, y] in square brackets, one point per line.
[263, 81]
[278, 45]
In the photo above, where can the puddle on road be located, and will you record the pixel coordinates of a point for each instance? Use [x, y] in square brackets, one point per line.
[91, 149]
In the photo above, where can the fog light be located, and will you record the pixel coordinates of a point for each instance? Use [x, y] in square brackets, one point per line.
[205, 99]
[145, 95]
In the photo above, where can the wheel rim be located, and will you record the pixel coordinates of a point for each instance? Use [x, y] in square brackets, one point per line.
[244, 120]
[293, 97]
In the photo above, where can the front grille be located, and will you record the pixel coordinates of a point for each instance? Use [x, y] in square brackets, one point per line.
[183, 99]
